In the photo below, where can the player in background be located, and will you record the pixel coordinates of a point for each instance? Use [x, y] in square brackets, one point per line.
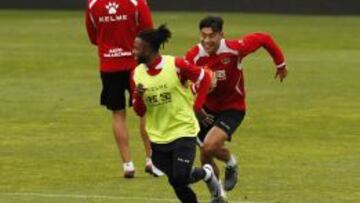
[225, 108]
[112, 26]
[161, 92]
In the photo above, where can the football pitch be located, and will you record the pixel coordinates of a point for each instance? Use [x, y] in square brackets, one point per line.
[299, 142]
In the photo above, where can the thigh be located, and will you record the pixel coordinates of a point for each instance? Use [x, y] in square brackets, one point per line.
[126, 84]
[204, 130]
[228, 121]
[215, 138]
[183, 159]
[162, 160]
[113, 90]
[202, 133]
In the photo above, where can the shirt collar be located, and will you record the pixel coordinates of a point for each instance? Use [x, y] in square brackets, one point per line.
[156, 64]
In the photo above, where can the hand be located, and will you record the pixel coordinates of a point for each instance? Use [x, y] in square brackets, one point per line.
[140, 90]
[213, 78]
[281, 73]
[205, 118]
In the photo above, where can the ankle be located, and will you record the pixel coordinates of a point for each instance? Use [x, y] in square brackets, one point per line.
[231, 162]
[148, 161]
[208, 173]
[128, 166]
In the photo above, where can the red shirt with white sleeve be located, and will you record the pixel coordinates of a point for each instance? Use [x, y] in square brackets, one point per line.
[112, 26]
[228, 91]
[185, 71]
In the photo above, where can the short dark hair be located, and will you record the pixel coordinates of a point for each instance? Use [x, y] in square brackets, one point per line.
[214, 22]
[156, 37]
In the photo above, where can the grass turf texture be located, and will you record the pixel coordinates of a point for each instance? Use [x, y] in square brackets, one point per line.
[298, 143]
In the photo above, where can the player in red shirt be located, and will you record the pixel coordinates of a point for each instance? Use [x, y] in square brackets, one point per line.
[224, 108]
[112, 26]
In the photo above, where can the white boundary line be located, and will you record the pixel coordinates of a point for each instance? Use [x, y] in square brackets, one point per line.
[84, 196]
[105, 197]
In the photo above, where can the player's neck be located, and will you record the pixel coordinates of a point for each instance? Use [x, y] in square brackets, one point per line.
[154, 60]
[215, 50]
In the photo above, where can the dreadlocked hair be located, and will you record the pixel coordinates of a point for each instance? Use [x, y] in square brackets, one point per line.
[156, 37]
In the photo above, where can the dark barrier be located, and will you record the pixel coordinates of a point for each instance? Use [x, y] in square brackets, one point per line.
[43, 4]
[264, 6]
[267, 6]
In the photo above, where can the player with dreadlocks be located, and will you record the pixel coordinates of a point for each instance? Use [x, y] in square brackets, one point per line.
[161, 92]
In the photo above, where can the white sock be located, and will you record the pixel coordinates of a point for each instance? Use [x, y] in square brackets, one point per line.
[232, 161]
[222, 192]
[208, 174]
[129, 166]
[148, 161]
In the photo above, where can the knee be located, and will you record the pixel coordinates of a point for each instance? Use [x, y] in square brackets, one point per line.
[205, 159]
[208, 150]
[179, 181]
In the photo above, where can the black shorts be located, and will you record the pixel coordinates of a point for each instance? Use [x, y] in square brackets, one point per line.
[228, 121]
[114, 85]
[175, 159]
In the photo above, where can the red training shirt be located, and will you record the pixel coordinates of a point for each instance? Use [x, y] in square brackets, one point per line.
[112, 25]
[228, 91]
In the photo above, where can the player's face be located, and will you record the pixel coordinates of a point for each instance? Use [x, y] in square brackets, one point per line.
[141, 51]
[210, 40]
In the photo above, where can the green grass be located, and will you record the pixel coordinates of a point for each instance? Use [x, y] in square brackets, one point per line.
[299, 142]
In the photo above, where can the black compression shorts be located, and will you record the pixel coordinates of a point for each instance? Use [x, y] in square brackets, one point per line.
[228, 121]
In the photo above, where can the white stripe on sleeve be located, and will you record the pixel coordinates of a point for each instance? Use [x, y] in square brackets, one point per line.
[281, 65]
[92, 3]
[135, 2]
[92, 19]
[201, 76]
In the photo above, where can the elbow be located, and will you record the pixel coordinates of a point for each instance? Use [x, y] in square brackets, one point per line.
[93, 41]
[264, 37]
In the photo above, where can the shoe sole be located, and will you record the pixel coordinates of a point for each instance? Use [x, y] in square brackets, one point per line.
[129, 174]
[220, 200]
[230, 186]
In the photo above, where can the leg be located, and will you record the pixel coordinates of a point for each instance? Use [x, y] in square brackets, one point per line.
[121, 134]
[182, 161]
[184, 192]
[212, 182]
[113, 97]
[204, 159]
[164, 161]
[207, 174]
[213, 147]
[214, 144]
[122, 141]
[184, 173]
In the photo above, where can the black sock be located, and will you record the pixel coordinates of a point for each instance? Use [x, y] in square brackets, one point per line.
[197, 174]
[185, 194]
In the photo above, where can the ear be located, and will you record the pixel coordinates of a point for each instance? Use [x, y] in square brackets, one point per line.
[145, 46]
